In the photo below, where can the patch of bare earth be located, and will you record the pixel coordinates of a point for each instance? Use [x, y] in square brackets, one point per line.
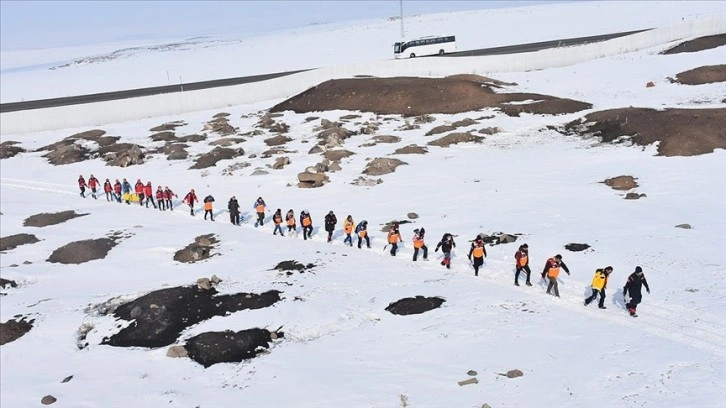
[47, 219]
[456, 138]
[702, 75]
[412, 96]
[411, 149]
[14, 329]
[381, 166]
[211, 158]
[14, 241]
[621, 183]
[79, 252]
[681, 132]
[698, 44]
[8, 149]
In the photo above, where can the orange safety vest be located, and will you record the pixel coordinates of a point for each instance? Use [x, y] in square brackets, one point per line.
[554, 270]
[348, 227]
[208, 205]
[417, 242]
[260, 208]
[478, 251]
[306, 222]
[523, 260]
[362, 233]
[291, 221]
[393, 237]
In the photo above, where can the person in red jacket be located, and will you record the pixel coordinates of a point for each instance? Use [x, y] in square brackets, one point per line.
[117, 190]
[82, 185]
[139, 189]
[160, 198]
[190, 199]
[149, 194]
[93, 183]
[521, 263]
[108, 189]
[168, 194]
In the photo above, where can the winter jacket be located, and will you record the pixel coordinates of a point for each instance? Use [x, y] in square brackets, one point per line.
[348, 226]
[290, 217]
[126, 187]
[394, 236]
[634, 285]
[552, 268]
[159, 194]
[81, 182]
[277, 218]
[362, 229]
[107, 187]
[233, 206]
[93, 182]
[305, 220]
[418, 241]
[259, 206]
[330, 221]
[117, 188]
[446, 243]
[600, 280]
[148, 190]
[521, 258]
[139, 188]
[191, 198]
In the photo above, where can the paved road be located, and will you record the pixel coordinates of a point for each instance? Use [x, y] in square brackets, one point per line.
[192, 86]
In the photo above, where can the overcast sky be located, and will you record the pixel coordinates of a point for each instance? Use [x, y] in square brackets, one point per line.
[39, 24]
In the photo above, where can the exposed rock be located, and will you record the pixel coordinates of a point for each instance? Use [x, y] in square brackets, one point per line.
[317, 149]
[464, 123]
[47, 219]
[204, 283]
[176, 151]
[122, 154]
[48, 399]
[177, 352]
[440, 129]
[228, 346]
[366, 182]
[65, 380]
[411, 149]
[350, 117]
[634, 196]
[14, 241]
[79, 252]
[513, 374]
[456, 138]
[334, 166]
[259, 172]
[471, 372]
[292, 265]
[468, 381]
[193, 138]
[621, 182]
[198, 250]
[311, 118]
[576, 247]
[649, 84]
[498, 238]
[337, 155]
[7, 282]
[702, 75]
[67, 154]
[277, 140]
[490, 130]
[168, 126]
[167, 136]
[211, 158]
[8, 149]
[14, 329]
[417, 305]
[220, 125]
[386, 139]
[380, 166]
[280, 162]
[309, 179]
[424, 119]
[408, 126]
[684, 226]
[220, 115]
[275, 151]
[412, 215]
[227, 141]
[256, 132]
[160, 316]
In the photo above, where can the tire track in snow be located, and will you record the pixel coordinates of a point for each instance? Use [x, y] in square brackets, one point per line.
[703, 331]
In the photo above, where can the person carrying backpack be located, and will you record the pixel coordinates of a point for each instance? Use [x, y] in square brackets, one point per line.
[599, 283]
[208, 200]
[446, 244]
[290, 219]
[418, 243]
[362, 231]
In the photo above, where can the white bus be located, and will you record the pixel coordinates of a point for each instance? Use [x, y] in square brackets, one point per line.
[433, 45]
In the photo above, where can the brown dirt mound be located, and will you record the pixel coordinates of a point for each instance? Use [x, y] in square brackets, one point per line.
[79, 252]
[198, 250]
[14, 329]
[622, 183]
[681, 132]
[411, 96]
[217, 154]
[14, 241]
[47, 219]
[698, 44]
[337, 155]
[380, 166]
[8, 149]
[277, 140]
[168, 126]
[411, 149]
[702, 75]
[455, 138]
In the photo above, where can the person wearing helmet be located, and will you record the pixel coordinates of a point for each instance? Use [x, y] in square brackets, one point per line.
[521, 263]
[330, 221]
[478, 252]
[552, 270]
[599, 283]
[362, 230]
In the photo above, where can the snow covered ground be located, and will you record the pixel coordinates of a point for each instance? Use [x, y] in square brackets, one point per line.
[341, 348]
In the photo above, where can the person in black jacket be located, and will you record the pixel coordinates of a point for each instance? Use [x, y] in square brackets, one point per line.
[233, 207]
[330, 221]
[635, 282]
[446, 244]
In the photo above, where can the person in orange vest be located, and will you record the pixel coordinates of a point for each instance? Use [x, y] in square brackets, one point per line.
[599, 283]
[348, 226]
[362, 230]
[82, 185]
[394, 236]
[307, 224]
[521, 263]
[108, 189]
[208, 200]
[552, 270]
[290, 219]
[190, 199]
[418, 243]
[259, 207]
[149, 193]
[93, 184]
[277, 220]
[446, 244]
[160, 198]
[478, 252]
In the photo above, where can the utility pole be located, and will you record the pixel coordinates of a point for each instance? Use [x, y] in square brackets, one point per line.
[403, 33]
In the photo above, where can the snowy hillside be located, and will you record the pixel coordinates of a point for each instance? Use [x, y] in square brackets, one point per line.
[337, 343]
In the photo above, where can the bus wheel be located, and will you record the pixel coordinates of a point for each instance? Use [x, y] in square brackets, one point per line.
[441, 52]
[412, 55]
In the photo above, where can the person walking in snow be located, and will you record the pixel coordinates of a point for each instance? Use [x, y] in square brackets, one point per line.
[160, 198]
[633, 286]
[259, 207]
[233, 208]
[552, 271]
[330, 221]
[348, 226]
[149, 194]
[446, 244]
[108, 189]
[208, 200]
[82, 185]
[394, 236]
[307, 224]
[117, 190]
[190, 199]
[478, 252]
[168, 194]
[126, 190]
[277, 220]
[599, 284]
[290, 219]
[521, 263]
[418, 243]
[93, 184]
[139, 190]
[362, 231]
